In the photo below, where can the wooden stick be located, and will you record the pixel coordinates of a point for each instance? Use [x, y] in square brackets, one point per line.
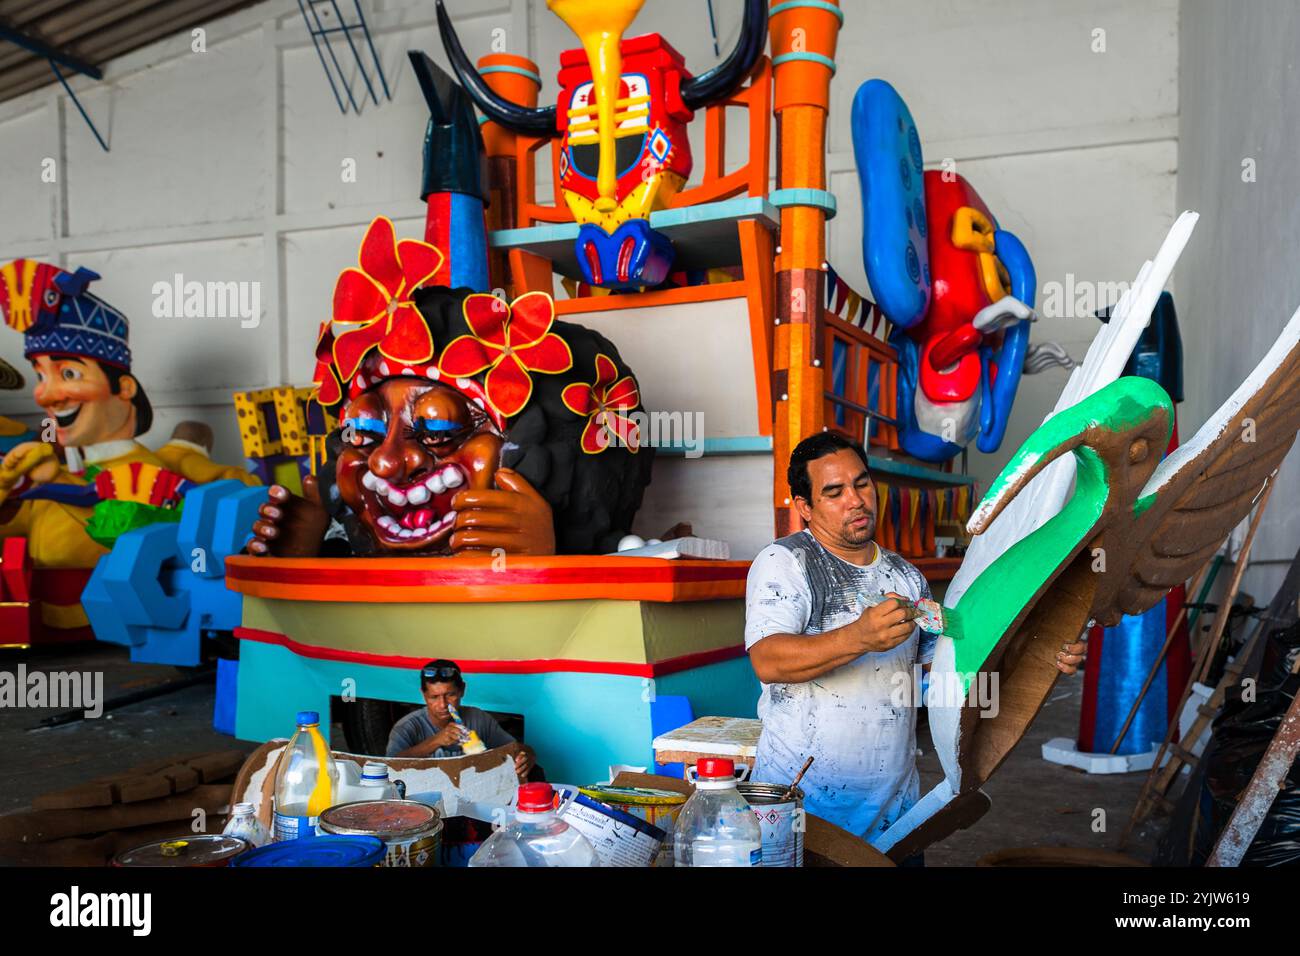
[1266, 783]
[797, 777]
[1155, 667]
[1238, 571]
[1212, 641]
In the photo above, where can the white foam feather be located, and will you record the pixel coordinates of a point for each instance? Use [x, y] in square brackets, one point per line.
[1217, 422]
[1044, 497]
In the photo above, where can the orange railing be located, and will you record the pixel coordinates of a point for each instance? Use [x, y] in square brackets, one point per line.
[849, 407]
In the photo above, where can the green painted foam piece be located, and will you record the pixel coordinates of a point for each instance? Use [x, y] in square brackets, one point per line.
[988, 608]
[112, 519]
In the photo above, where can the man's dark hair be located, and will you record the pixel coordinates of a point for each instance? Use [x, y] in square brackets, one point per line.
[810, 449]
[143, 409]
[441, 671]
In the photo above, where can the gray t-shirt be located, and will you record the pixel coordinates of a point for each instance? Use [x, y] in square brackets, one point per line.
[416, 727]
[857, 720]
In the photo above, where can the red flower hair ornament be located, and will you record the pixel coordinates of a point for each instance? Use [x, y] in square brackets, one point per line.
[510, 341]
[373, 310]
[605, 404]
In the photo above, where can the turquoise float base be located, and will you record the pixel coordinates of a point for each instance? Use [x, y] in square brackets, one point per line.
[578, 723]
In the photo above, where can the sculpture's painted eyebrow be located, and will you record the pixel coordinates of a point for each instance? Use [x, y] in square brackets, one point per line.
[364, 423]
[437, 425]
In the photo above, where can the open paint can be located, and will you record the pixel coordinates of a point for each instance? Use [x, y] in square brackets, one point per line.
[411, 831]
[659, 808]
[781, 820]
[202, 849]
[618, 837]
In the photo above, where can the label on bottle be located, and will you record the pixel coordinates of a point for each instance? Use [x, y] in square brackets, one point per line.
[289, 827]
[756, 857]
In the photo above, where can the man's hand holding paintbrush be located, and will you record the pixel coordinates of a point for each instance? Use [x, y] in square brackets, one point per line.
[789, 658]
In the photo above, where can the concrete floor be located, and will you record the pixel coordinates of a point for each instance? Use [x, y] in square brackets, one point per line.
[1041, 804]
[1034, 803]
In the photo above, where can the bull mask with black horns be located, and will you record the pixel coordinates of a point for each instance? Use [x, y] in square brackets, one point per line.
[621, 117]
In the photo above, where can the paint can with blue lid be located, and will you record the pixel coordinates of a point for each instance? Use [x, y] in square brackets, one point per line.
[319, 851]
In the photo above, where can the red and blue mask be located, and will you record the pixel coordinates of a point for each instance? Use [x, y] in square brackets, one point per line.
[958, 289]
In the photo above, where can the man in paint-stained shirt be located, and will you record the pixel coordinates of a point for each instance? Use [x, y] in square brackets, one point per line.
[836, 649]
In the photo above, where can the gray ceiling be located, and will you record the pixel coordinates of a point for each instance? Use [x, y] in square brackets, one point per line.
[91, 31]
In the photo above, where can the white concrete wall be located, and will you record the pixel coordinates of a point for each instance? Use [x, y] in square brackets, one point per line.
[1074, 151]
[1238, 282]
[226, 165]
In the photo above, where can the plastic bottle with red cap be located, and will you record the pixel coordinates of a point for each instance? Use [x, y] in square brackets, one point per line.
[717, 827]
[537, 837]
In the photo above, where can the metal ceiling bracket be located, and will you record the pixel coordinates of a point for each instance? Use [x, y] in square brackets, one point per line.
[320, 38]
[56, 58]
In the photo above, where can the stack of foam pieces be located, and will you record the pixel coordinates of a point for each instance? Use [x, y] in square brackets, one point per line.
[633, 546]
[90, 823]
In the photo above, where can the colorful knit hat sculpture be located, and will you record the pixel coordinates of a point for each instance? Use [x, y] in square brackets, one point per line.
[57, 316]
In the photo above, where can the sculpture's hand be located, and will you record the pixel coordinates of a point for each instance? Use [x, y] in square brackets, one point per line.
[1070, 656]
[515, 519]
[290, 526]
[33, 459]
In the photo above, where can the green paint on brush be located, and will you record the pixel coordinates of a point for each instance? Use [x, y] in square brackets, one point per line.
[996, 598]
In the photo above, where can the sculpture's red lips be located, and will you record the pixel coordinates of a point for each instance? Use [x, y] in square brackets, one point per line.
[413, 516]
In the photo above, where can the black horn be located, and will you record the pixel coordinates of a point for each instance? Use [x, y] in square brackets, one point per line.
[454, 161]
[536, 121]
[723, 79]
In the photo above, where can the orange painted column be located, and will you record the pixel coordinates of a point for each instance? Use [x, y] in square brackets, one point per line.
[517, 79]
[803, 39]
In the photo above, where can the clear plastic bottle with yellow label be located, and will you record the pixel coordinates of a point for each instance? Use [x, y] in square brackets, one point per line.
[306, 781]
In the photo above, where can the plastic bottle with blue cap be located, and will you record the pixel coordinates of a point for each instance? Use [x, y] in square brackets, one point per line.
[306, 781]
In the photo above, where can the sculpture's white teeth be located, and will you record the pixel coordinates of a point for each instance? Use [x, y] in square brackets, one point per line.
[405, 533]
[396, 498]
[451, 476]
[379, 486]
[368, 480]
[389, 523]
[418, 495]
[435, 484]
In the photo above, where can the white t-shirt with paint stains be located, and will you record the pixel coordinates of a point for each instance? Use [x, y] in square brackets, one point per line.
[857, 720]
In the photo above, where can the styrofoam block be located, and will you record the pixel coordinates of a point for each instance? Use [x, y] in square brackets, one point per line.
[132, 578]
[199, 522]
[1066, 752]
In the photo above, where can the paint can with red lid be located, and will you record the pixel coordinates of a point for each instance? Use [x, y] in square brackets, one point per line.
[201, 849]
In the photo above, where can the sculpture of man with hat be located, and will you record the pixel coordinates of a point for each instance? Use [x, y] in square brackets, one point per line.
[96, 409]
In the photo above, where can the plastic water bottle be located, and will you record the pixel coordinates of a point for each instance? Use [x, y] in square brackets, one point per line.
[374, 778]
[717, 827]
[537, 837]
[243, 823]
[306, 781]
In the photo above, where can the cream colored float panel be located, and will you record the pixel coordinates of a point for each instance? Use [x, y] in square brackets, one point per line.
[726, 497]
[688, 358]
